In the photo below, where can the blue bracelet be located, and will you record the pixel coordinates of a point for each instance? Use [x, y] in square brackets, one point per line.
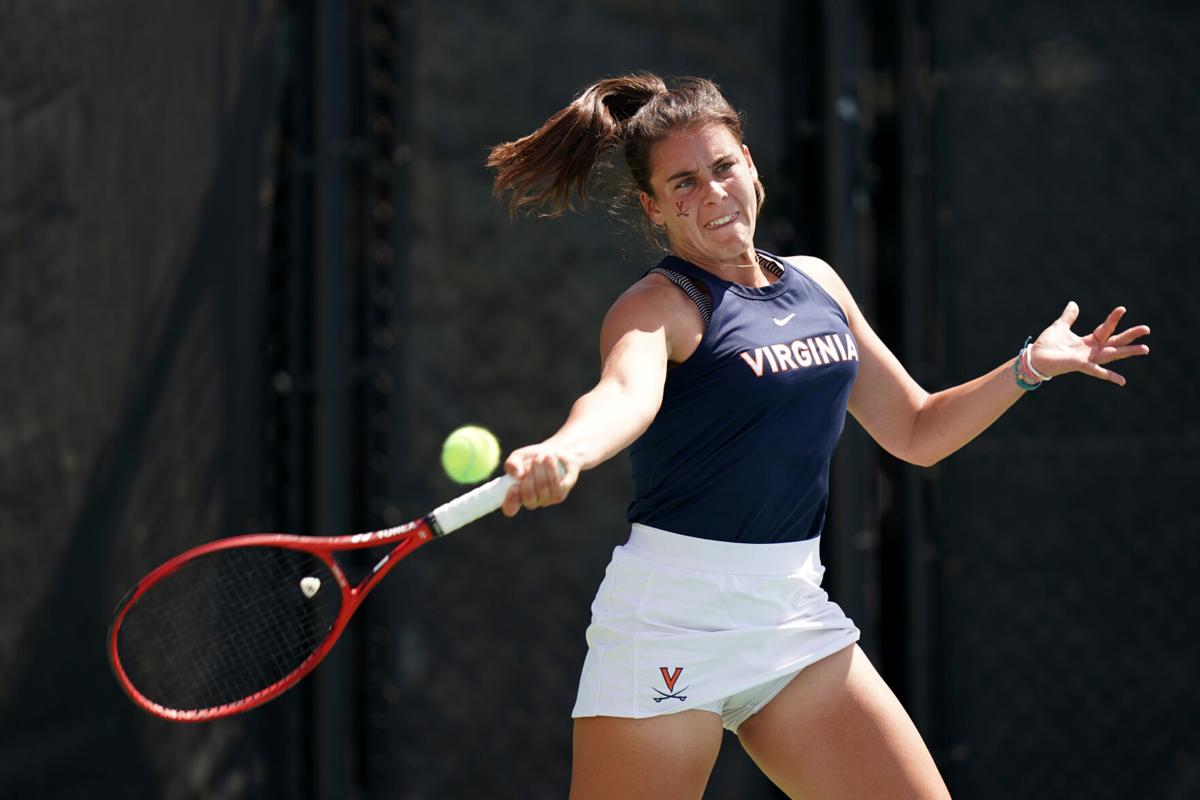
[1023, 384]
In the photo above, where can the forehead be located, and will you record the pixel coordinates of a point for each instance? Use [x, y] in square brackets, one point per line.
[692, 148]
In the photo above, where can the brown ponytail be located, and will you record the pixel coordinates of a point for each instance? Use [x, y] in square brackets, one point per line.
[548, 170]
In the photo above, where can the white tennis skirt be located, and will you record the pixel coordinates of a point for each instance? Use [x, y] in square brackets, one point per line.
[683, 623]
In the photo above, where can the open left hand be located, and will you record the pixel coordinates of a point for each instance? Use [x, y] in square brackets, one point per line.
[1058, 350]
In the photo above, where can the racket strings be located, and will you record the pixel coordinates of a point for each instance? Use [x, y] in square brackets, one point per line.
[226, 625]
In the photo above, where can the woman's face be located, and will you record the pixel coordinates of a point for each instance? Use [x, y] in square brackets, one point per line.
[703, 183]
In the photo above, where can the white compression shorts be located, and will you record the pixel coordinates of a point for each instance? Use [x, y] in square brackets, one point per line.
[683, 623]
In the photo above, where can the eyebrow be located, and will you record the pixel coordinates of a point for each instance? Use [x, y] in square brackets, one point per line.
[686, 172]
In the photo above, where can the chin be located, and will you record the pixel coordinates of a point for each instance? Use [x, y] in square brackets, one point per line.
[734, 243]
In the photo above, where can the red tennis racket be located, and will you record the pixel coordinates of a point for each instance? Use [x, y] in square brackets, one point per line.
[231, 624]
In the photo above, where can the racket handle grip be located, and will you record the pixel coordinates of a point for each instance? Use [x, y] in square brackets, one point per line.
[469, 507]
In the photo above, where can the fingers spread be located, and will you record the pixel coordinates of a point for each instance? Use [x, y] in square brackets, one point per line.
[1070, 314]
[1097, 371]
[1105, 329]
[1110, 353]
[1129, 335]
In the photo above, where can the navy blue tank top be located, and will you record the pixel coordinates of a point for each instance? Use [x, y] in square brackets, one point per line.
[740, 448]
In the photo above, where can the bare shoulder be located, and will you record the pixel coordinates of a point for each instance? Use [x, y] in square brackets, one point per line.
[649, 302]
[654, 305]
[827, 278]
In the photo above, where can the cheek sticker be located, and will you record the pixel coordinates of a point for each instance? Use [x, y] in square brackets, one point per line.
[681, 209]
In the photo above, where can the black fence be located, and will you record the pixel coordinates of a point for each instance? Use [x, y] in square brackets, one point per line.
[136, 147]
[1063, 169]
[251, 274]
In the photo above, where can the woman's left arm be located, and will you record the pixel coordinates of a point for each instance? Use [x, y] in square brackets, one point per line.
[923, 428]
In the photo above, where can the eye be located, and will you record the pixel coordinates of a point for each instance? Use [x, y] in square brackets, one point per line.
[686, 183]
[724, 166]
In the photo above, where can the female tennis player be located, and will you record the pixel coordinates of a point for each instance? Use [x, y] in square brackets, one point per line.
[729, 370]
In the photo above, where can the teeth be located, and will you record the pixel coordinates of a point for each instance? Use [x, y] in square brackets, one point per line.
[719, 221]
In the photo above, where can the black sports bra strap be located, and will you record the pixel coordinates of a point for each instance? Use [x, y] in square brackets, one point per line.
[691, 289]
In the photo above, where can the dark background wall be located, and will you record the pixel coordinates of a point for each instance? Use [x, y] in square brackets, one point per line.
[1062, 172]
[251, 274]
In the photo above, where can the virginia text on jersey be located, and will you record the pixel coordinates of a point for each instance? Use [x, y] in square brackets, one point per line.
[801, 353]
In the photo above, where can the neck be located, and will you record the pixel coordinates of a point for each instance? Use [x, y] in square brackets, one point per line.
[745, 269]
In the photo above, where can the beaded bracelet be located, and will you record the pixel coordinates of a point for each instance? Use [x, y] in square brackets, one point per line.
[1028, 350]
[1027, 378]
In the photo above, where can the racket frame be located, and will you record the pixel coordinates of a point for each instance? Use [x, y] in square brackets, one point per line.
[404, 540]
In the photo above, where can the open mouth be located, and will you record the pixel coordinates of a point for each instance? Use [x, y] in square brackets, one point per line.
[721, 222]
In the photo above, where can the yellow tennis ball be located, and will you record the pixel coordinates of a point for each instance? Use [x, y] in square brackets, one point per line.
[470, 454]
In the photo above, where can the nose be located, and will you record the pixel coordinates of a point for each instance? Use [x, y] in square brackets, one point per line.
[714, 191]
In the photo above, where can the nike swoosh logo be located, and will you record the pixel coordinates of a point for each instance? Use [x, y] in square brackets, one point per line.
[784, 321]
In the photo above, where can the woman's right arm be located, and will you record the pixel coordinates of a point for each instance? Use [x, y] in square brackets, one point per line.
[646, 327]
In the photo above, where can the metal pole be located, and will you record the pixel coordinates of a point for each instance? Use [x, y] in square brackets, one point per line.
[333, 744]
[919, 324]
[855, 544]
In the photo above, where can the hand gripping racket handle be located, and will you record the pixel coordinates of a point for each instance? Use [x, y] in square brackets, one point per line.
[469, 507]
